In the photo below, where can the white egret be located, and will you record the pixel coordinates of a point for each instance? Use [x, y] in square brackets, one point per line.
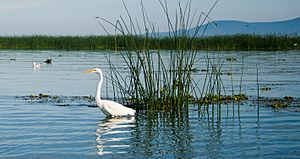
[36, 65]
[108, 107]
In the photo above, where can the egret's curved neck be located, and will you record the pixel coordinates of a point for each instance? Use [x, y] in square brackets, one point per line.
[98, 91]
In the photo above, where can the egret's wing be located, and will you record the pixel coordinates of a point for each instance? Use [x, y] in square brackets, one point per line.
[115, 108]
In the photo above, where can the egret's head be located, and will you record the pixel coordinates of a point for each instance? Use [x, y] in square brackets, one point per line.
[96, 70]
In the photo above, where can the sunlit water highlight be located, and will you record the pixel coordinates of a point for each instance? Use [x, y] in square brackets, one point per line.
[46, 130]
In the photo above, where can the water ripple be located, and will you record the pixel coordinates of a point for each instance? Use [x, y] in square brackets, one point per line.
[70, 126]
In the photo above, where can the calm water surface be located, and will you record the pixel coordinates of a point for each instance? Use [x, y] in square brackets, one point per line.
[47, 130]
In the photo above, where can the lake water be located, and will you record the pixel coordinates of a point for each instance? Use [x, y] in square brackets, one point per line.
[75, 128]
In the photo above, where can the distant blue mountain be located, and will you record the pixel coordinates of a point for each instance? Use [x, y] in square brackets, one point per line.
[232, 27]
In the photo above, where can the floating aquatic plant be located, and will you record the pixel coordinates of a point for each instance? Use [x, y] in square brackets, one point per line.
[265, 88]
[59, 100]
[286, 101]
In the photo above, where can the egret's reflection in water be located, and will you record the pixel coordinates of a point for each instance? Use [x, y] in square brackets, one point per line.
[114, 134]
[149, 134]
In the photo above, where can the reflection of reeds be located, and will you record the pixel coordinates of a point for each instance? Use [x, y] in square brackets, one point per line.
[257, 83]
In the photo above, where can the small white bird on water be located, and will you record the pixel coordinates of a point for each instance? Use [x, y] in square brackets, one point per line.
[108, 107]
[36, 65]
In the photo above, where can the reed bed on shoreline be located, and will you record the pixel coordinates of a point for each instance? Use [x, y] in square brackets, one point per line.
[240, 42]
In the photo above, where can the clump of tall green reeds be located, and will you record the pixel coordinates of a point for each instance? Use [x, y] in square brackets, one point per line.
[153, 81]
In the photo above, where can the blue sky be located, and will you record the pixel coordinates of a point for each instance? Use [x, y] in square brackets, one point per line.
[77, 17]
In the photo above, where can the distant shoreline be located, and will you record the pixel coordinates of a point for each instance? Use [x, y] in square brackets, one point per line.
[241, 42]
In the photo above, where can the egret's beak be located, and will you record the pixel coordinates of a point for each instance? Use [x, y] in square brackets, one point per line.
[88, 71]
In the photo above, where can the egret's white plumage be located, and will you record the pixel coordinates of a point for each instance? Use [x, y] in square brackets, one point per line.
[108, 107]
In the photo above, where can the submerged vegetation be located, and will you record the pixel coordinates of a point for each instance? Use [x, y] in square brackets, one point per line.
[223, 42]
